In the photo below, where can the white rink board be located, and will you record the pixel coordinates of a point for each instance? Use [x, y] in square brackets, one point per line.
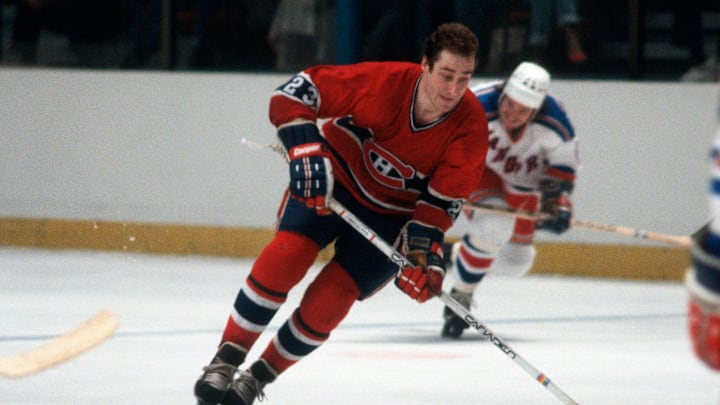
[167, 148]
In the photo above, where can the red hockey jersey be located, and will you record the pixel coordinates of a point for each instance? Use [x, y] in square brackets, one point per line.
[389, 162]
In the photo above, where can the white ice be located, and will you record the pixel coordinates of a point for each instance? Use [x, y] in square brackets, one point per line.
[600, 341]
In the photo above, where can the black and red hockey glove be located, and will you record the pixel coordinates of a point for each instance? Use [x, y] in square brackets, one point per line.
[557, 204]
[559, 210]
[422, 245]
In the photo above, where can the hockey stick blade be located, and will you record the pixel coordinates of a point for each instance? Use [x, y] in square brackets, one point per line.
[401, 261]
[84, 337]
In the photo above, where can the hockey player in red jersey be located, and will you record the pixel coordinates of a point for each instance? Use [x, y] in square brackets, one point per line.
[703, 279]
[531, 165]
[399, 147]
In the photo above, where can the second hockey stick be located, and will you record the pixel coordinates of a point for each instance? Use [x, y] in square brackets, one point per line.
[684, 241]
[401, 261]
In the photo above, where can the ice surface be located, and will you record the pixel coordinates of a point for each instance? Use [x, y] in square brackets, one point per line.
[600, 341]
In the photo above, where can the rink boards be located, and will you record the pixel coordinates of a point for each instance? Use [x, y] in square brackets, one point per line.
[629, 261]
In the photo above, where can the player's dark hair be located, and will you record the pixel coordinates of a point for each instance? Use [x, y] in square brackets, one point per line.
[453, 37]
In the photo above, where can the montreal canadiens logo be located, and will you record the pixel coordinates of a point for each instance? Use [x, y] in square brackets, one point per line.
[384, 167]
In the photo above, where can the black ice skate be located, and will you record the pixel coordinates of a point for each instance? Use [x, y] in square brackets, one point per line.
[249, 385]
[217, 376]
[455, 325]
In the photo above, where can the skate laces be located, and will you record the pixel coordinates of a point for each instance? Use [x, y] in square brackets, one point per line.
[248, 387]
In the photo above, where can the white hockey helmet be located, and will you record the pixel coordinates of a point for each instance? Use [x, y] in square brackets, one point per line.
[528, 85]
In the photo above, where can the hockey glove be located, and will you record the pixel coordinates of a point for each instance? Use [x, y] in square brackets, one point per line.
[560, 211]
[311, 177]
[422, 246]
[556, 203]
[703, 283]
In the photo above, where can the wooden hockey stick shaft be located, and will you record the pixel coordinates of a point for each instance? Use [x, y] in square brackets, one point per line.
[684, 241]
[89, 334]
[401, 261]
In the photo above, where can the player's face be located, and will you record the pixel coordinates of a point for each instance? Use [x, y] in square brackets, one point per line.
[448, 79]
[514, 115]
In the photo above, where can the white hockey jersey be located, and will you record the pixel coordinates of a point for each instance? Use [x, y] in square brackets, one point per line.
[546, 148]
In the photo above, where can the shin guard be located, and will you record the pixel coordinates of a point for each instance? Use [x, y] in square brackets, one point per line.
[280, 266]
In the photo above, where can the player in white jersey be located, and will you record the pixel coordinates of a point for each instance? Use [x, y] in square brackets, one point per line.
[703, 279]
[531, 165]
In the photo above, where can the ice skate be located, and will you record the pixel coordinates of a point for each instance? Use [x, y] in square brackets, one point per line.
[455, 325]
[217, 376]
[249, 385]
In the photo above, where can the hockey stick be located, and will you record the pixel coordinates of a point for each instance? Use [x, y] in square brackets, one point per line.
[276, 147]
[401, 261]
[684, 241]
[62, 348]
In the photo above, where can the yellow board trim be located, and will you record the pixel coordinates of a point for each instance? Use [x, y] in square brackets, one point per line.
[612, 261]
[575, 259]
